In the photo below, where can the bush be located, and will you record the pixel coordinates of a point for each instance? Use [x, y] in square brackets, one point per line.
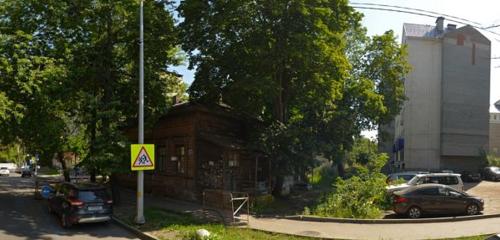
[355, 198]
[263, 203]
[363, 194]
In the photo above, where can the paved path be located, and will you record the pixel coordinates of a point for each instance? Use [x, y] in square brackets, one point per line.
[378, 231]
[489, 191]
[23, 217]
[348, 230]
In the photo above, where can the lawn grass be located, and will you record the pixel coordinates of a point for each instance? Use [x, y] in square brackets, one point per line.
[168, 225]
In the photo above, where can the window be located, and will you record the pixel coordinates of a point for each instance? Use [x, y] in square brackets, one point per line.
[233, 159]
[427, 192]
[161, 165]
[443, 191]
[180, 157]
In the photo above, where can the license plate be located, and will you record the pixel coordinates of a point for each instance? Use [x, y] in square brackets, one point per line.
[95, 208]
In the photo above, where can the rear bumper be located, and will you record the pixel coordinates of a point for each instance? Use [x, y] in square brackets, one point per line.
[93, 219]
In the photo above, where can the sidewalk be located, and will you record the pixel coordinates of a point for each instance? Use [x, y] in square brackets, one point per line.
[378, 231]
[329, 229]
[128, 200]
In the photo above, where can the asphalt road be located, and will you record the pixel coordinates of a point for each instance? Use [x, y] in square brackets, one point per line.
[23, 217]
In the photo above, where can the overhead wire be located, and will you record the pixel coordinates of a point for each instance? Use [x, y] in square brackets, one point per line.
[415, 9]
[425, 13]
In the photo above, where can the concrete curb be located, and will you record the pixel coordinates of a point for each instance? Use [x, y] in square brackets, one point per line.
[388, 221]
[137, 232]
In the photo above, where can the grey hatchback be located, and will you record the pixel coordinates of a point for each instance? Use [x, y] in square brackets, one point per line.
[81, 203]
[435, 199]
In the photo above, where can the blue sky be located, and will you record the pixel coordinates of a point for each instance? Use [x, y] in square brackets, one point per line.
[485, 12]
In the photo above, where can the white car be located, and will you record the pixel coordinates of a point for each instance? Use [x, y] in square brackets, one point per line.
[452, 180]
[4, 171]
[405, 176]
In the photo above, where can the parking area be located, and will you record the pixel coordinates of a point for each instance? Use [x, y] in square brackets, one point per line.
[489, 192]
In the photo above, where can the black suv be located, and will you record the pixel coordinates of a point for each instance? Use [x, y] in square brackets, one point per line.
[81, 203]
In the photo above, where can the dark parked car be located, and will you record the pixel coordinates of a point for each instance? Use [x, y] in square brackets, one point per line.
[491, 173]
[470, 176]
[26, 172]
[81, 203]
[435, 199]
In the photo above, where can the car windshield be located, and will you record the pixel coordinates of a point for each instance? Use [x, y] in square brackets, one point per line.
[406, 177]
[495, 169]
[3, 168]
[414, 180]
[92, 195]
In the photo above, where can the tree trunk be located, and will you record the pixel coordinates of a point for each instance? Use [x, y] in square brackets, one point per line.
[60, 158]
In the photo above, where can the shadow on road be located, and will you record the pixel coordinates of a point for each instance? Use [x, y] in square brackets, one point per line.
[23, 216]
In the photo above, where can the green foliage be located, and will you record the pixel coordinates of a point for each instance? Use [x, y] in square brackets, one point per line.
[69, 73]
[363, 195]
[355, 198]
[169, 225]
[12, 153]
[489, 159]
[305, 68]
[363, 159]
[322, 176]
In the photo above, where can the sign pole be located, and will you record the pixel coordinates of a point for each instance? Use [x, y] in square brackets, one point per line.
[140, 174]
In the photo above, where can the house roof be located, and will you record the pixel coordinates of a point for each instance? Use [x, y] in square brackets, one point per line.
[431, 32]
[420, 30]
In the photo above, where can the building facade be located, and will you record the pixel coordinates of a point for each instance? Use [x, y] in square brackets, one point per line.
[495, 134]
[444, 124]
[201, 154]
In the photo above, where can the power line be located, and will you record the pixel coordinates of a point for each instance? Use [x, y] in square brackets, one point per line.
[427, 15]
[493, 26]
[415, 9]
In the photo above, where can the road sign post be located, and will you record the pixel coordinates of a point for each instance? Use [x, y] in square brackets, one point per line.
[140, 175]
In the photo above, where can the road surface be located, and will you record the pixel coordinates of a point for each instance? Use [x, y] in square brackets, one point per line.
[23, 217]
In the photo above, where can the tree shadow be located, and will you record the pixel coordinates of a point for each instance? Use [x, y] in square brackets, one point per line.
[23, 216]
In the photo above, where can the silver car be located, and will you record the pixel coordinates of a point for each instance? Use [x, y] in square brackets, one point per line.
[452, 180]
[4, 171]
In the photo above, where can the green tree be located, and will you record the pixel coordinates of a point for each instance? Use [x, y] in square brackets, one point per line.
[96, 44]
[279, 61]
[305, 68]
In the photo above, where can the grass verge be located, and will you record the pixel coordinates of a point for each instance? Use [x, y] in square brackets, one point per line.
[168, 225]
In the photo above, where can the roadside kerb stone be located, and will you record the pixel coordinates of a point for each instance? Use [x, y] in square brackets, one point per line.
[387, 221]
[140, 234]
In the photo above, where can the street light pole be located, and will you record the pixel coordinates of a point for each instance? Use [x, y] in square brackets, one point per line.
[140, 174]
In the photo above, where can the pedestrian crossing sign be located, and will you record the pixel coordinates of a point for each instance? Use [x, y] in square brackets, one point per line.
[142, 157]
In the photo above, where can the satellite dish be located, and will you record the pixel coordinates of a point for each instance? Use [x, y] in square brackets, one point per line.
[497, 105]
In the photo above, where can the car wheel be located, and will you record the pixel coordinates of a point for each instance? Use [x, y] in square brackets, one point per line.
[64, 221]
[414, 212]
[472, 209]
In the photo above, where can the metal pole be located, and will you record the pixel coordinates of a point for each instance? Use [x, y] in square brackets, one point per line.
[140, 174]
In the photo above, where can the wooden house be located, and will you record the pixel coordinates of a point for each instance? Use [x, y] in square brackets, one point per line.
[200, 150]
